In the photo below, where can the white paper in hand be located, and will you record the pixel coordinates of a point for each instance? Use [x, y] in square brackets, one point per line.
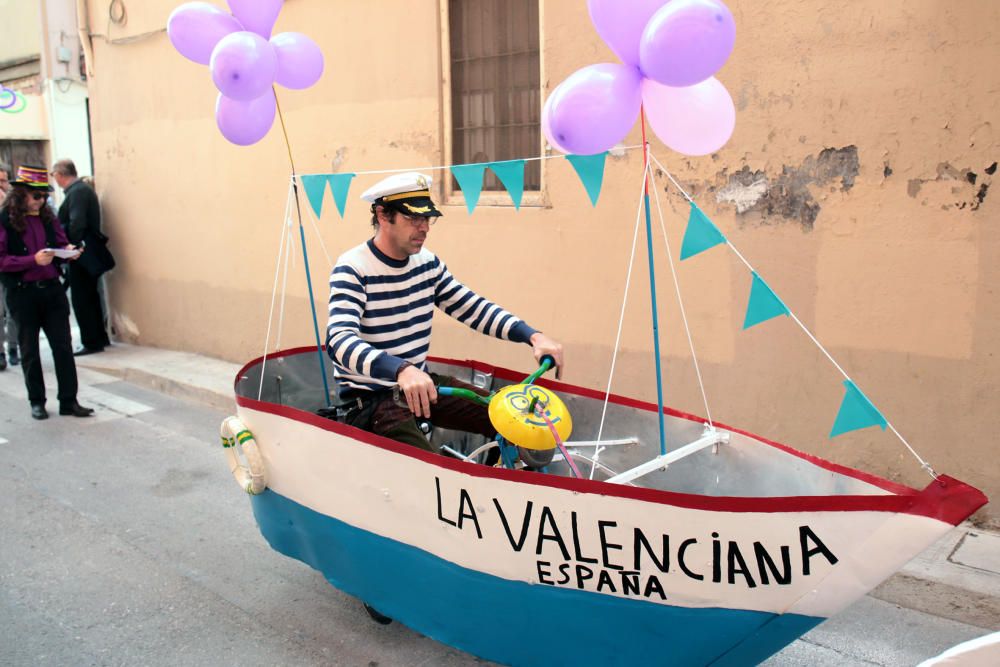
[63, 254]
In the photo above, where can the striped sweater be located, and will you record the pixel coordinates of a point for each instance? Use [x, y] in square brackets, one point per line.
[381, 310]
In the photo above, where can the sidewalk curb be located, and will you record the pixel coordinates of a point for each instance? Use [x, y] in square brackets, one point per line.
[169, 386]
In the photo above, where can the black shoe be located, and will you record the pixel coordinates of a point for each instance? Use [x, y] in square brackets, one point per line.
[15, 358]
[75, 409]
[83, 351]
[381, 619]
[38, 411]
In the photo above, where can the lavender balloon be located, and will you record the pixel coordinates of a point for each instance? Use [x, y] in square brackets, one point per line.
[687, 41]
[546, 123]
[243, 66]
[595, 108]
[300, 61]
[620, 24]
[257, 15]
[245, 122]
[195, 28]
[694, 120]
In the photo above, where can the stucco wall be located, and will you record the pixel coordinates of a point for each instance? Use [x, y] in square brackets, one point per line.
[857, 183]
[19, 36]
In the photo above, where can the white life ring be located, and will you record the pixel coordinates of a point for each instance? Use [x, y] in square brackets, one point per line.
[248, 470]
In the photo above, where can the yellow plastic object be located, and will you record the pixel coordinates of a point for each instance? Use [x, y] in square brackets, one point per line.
[509, 413]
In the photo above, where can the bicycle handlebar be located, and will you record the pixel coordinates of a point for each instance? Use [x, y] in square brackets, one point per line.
[547, 364]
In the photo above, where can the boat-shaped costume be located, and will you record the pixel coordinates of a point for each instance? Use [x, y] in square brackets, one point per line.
[722, 553]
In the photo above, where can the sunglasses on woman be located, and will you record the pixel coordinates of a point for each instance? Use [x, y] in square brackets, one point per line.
[39, 196]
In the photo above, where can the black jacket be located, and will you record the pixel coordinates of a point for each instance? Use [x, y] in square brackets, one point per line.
[80, 212]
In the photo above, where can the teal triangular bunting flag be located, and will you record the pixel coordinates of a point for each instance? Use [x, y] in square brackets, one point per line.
[590, 169]
[511, 174]
[856, 412]
[339, 185]
[701, 234]
[764, 303]
[315, 187]
[470, 180]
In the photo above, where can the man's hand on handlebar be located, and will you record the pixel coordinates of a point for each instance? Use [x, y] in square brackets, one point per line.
[419, 389]
[542, 345]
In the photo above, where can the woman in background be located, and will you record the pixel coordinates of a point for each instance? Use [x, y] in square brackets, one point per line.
[29, 235]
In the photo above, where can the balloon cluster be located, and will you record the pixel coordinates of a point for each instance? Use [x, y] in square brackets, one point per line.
[245, 60]
[8, 106]
[669, 50]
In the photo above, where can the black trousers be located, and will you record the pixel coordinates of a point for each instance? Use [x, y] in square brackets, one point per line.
[43, 307]
[87, 306]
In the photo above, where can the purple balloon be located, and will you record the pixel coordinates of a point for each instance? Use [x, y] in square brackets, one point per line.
[694, 120]
[257, 15]
[620, 23]
[546, 122]
[243, 66]
[195, 28]
[300, 62]
[595, 108]
[245, 123]
[687, 41]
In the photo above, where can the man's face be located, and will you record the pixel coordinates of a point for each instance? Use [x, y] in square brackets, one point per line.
[59, 179]
[4, 182]
[404, 235]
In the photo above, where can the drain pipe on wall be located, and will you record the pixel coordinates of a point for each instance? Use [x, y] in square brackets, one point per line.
[83, 23]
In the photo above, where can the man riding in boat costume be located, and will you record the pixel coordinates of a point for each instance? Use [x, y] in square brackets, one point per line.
[382, 299]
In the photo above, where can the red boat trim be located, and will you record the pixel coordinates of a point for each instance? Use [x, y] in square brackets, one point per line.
[945, 499]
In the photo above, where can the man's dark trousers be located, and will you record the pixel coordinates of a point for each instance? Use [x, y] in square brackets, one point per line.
[43, 307]
[87, 306]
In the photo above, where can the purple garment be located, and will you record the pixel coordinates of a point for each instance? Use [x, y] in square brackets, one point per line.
[34, 239]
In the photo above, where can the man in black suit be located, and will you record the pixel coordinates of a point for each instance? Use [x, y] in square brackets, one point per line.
[80, 216]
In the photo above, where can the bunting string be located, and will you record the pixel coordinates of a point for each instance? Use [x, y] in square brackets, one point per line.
[850, 412]
[589, 168]
[373, 172]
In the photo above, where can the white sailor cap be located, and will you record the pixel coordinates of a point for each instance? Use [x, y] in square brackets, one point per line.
[408, 193]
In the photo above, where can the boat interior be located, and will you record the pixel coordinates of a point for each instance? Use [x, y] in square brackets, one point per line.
[698, 459]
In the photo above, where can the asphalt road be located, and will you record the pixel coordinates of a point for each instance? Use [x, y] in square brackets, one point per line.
[125, 541]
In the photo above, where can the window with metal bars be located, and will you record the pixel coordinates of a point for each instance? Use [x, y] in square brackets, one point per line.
[495, 85]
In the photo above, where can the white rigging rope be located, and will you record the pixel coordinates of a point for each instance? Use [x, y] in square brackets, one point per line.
[289, 249]
[621, 321]
[680, 304]
[923, 464]
[274, 289]
[312, 220]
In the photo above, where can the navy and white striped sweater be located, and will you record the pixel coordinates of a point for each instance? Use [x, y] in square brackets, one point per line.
[381, 310]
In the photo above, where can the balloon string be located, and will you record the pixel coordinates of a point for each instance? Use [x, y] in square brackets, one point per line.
[645, 146]
[288, 144]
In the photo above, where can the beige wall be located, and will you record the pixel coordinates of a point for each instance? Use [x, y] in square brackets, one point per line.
[860, 131]
[19, 33]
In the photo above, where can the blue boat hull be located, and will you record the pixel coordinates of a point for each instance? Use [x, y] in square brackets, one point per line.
[513, 622]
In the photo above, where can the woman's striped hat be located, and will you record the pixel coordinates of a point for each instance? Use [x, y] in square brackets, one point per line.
[36, 178]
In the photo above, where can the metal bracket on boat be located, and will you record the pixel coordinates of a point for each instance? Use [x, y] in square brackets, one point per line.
[481, 380]
[709, 438]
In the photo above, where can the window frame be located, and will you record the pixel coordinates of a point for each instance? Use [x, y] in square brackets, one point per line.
[452, 196]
